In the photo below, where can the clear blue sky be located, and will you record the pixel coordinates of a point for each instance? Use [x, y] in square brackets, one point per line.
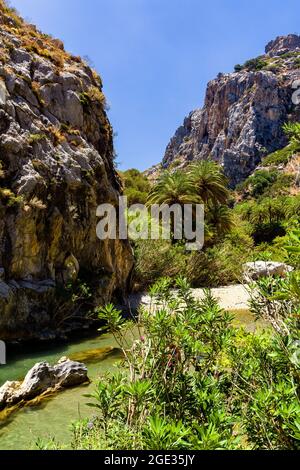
[156, 56]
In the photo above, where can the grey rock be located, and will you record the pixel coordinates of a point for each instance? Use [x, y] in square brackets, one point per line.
[69, 373]
[40, 378]
[8, 392]
[43, 72]
[73, 111]
[40, 287]
[29, 181]
[283, 44]
[3, 93]
[258, 269]
[5, 290]
[43, 378]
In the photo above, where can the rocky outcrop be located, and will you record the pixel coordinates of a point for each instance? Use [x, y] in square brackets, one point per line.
[43, 379]
[258, 269]
[56, 167]
[283, 45]
[243, 113]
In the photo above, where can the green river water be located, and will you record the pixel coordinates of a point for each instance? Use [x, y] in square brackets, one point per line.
[53, 417]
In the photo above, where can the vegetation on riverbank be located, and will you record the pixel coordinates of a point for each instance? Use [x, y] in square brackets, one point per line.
[193, 381]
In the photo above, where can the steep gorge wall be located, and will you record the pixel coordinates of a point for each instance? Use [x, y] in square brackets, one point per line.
[56, 167]
[243, 113]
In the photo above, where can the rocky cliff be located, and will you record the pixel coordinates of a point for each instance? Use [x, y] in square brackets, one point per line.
[56, 167]
[243, 113]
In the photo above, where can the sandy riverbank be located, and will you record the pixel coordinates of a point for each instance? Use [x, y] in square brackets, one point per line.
[234, 297]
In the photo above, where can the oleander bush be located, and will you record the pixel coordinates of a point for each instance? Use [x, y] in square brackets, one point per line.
[190, 380]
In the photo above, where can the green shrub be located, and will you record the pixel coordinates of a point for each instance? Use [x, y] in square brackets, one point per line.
[220, 265]
[136, 186]
[36, 138]
[256, 64]
[259, 182]
[216, 265]
[93, 96]
[156, 259]
[266, 183]
[8, 198]
[292, 130]
[238, 68]
[282, 185]
[189, 380]
[282, 156]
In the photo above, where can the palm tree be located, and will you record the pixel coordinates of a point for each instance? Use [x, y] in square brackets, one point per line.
[174, 188]
[209, 181]
[220, 218]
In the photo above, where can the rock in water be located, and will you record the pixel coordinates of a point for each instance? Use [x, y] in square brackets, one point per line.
[8, 393]
[257, 269]
[69, 373]
[56, 167]
[40, 378]
[243, 113]
[43, 378]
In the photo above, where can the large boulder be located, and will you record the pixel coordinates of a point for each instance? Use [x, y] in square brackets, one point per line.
[40, 378]
[43, 378]
[258, 269]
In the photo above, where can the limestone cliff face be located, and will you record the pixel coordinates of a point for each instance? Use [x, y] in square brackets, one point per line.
[56, 167]
[243, 113]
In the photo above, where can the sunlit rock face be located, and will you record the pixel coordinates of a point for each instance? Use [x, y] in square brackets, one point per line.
[56, 167]
[242, 117]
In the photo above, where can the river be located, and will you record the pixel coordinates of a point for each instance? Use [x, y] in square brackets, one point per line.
[53, 417]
